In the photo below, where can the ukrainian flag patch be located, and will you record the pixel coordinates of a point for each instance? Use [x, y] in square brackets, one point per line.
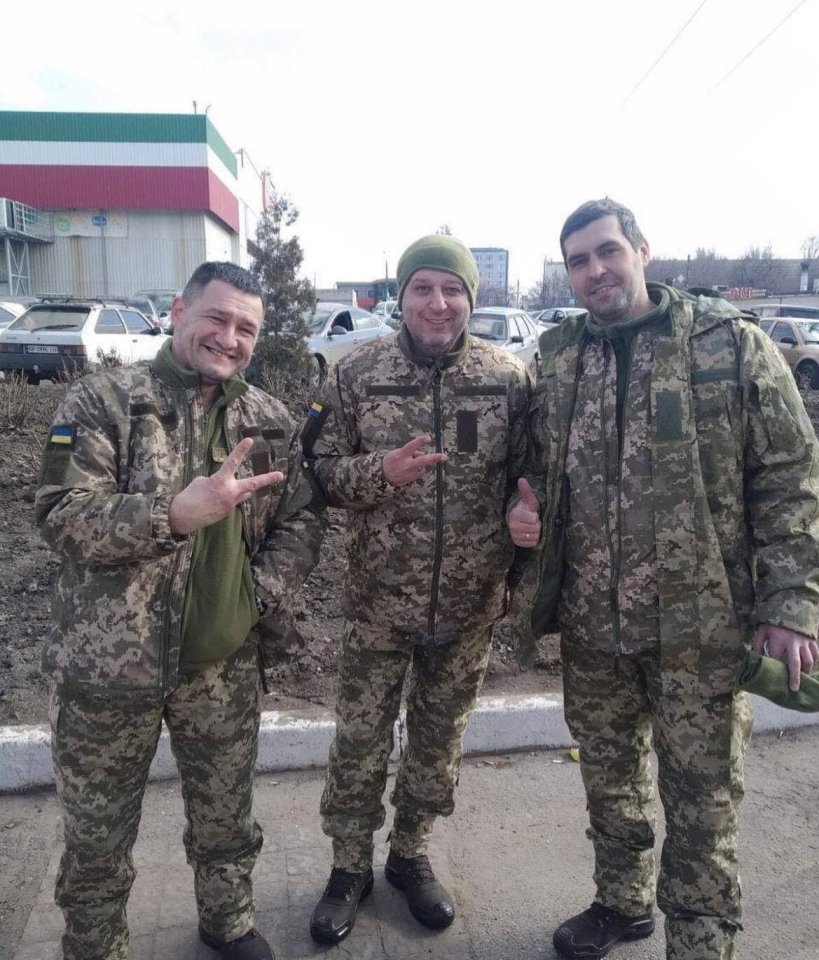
[62, 435]
[315, 409]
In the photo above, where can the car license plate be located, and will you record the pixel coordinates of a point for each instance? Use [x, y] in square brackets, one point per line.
[41, 348]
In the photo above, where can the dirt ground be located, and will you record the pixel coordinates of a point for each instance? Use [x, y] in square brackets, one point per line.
[28, 570]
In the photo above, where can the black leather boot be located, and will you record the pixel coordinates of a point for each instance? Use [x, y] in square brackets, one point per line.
[251, 946]
[595, 931]
[428, 901]
[334, 915]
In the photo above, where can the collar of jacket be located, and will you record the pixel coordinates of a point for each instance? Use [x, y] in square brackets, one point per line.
[659, 294]
[409, 348]
[175, 375]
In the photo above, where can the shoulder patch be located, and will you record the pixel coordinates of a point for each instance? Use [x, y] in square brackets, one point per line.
[63, 435]
[316, 416]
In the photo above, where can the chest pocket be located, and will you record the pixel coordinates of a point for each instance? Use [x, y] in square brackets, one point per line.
[389, 415]
[154, 457]
[267, 450]
[476, 423]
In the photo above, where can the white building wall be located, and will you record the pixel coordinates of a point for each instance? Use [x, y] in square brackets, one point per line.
[219, 241]
[147, 249]
[249, 192]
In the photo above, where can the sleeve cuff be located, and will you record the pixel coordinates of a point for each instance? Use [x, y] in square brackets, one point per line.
[161, 525]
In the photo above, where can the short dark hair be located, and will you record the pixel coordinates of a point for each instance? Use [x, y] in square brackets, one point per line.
[593, 210]
[225, 271]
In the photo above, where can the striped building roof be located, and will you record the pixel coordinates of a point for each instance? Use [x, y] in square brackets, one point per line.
[122, 161]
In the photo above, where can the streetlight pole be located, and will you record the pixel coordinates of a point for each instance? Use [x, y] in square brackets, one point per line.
[543, 283]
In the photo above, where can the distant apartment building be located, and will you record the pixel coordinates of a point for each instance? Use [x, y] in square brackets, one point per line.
[104, 204]
[493, 269]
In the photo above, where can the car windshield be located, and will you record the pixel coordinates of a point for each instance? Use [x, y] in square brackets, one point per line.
[810, 330]
[58, 318]
[161, 299]
[144, 306]
[487, 326]
[162, 302]
[317, 321]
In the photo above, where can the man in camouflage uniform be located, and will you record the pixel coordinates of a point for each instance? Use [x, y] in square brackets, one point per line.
[681, 495]
[428, 559]
[156, 491]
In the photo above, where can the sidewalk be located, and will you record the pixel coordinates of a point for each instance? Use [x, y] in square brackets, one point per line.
[298, 741]
[514, 855]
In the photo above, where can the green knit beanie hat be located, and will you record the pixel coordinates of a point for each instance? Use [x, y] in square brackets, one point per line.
[439, 251]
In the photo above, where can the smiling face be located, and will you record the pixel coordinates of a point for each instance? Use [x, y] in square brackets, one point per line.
[435, 309]
[606, 272]
[215, 331]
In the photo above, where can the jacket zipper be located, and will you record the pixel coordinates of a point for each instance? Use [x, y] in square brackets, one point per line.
[614, 559]
[439, 505]
[183, 557]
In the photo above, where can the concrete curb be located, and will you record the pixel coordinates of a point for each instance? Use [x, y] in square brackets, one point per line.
[298, 740]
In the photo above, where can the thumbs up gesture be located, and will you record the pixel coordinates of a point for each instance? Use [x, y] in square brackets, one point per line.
[523, 519]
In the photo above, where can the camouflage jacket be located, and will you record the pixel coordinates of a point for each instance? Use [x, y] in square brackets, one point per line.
[429, 559]
[124, 443]
[702, 520]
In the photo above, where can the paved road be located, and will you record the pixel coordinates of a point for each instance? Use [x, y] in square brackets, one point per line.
[514, 854]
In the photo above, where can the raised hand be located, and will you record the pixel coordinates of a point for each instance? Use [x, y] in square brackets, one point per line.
[206, 500]
[409, 463]
[523, 519]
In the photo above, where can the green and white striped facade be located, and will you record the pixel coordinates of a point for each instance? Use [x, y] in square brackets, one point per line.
[138, 200]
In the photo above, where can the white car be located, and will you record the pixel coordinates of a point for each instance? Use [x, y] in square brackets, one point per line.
[336, 329]
[384, 310]
[512, 329]
[555, 315]
[12, 307]
[68, 335]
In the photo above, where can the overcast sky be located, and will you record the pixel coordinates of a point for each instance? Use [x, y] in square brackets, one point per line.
[383, 121]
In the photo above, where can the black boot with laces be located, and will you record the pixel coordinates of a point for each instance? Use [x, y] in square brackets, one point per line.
[334, 915]
[429, 903]
[251, 946]
[595, 931]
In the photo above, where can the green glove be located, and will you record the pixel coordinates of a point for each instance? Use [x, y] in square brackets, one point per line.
[768, 678]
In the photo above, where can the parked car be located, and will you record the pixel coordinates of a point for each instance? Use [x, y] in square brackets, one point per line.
[162, 300]
[148, 309]
[799, 342]
[336, 329]
[556, 314]
[384, 310]
[510, 328]
[12, 307]
[795, 311]
[70, 335]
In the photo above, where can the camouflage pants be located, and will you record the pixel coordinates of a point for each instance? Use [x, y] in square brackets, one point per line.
[700, 745]
[102, 748]
[440, 697]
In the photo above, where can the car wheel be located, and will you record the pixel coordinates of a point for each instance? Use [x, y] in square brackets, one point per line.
[535, 368]
[807, 376]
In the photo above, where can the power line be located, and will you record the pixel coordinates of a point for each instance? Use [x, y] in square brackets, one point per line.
[767, 36]
[648, 72]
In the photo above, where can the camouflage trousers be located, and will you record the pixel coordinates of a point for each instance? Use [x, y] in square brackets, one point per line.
[102, 747]
[701, 746]
[441, 694]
